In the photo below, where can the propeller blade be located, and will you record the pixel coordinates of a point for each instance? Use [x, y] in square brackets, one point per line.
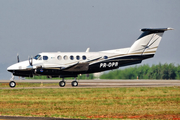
[30, 61]
[18, 58]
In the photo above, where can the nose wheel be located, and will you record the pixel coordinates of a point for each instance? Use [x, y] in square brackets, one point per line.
[12, 84]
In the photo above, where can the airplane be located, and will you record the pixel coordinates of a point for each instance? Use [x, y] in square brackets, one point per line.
[72, 64]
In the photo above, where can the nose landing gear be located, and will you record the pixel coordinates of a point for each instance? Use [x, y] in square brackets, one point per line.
[12, 84]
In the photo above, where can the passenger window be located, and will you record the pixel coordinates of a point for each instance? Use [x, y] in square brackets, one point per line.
[72, 57]
[77, 57]
[59, 57]
[84, 57]
[45, 57]
[105, 57]
[65, 57]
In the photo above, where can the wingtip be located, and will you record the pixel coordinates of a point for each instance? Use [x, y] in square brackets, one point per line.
[169, 28]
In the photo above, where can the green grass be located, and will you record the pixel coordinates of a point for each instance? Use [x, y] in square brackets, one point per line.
[106, 103]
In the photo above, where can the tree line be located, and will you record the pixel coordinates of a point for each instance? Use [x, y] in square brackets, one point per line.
[160, 71]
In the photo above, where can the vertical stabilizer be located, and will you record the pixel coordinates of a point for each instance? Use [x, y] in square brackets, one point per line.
[87, 49]
[148, 41]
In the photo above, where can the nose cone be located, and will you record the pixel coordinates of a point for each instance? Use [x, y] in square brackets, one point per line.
[12, 67]
[18, 66]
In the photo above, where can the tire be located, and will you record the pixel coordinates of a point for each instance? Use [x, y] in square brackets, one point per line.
[12, 84]
[74, 83]
[62, 83]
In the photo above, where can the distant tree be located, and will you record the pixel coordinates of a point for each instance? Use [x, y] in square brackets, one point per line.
[160, 71]
[177, 72]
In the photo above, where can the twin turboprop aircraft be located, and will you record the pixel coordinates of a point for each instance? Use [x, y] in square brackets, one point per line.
[71, 64]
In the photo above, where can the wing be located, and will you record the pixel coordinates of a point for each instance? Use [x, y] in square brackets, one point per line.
[79, 67]
[75, 67]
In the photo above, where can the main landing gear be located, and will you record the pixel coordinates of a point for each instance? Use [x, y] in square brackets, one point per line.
[73, 83]
[62, 83]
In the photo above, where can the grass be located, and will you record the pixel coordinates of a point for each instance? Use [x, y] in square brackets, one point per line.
[101, 103]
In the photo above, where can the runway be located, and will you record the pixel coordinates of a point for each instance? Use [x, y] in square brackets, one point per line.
[100, 83]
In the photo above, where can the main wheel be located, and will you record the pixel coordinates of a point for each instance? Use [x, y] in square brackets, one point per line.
[12, 84]
[74, 83]
[62, 83]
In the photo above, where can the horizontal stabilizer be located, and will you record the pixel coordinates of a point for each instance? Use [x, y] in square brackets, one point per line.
[156, 29]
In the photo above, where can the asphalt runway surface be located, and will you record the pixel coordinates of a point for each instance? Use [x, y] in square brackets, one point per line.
[89, 84]
[100, 83]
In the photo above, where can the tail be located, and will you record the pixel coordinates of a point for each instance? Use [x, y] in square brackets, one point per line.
[148, 41]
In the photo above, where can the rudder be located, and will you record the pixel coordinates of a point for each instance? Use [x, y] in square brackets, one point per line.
[148, 41]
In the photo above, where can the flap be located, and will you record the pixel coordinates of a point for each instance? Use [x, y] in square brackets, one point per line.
[77, 67]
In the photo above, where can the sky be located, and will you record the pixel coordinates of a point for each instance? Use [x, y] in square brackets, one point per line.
[28, 27]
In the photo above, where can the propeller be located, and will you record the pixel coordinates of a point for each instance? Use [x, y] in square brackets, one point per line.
[30, 67]
[18, 58]
[30, 61]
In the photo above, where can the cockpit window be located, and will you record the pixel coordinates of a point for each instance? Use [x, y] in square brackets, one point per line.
[45, 57]
[37, 57]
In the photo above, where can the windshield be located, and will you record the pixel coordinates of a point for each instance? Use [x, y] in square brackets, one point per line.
[37, 57]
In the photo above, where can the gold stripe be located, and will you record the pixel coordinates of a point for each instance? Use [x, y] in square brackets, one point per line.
[153, 47]
[135, 53]
[117, 55]
[150, 52]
